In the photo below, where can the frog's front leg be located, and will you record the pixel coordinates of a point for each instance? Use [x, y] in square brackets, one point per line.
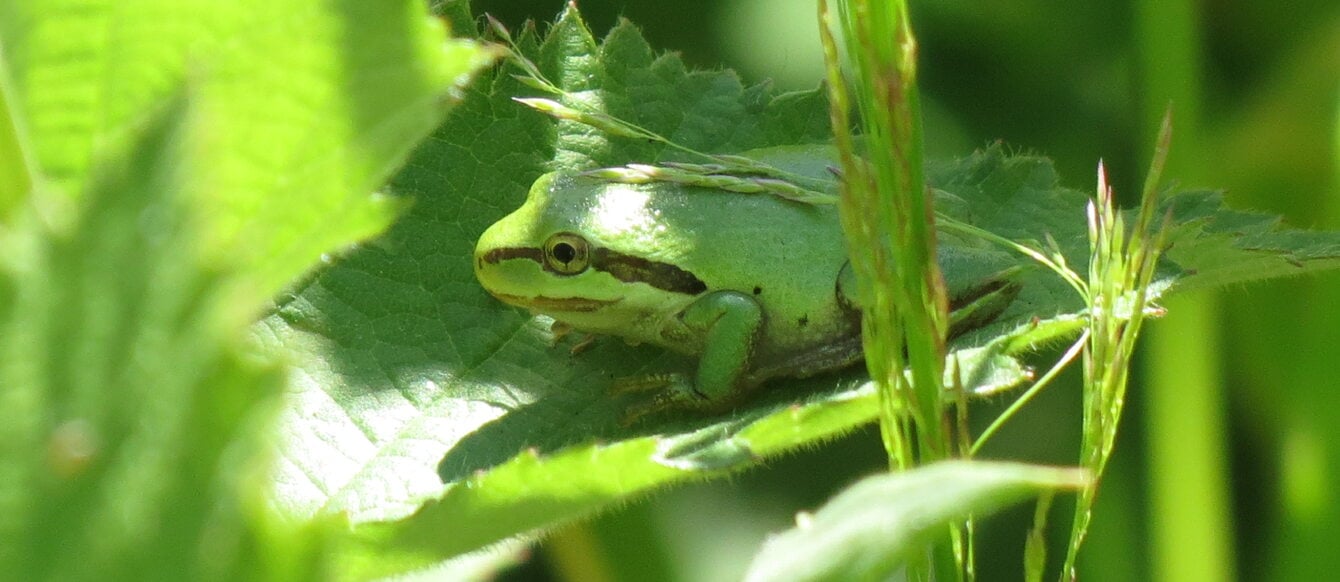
[729, 323]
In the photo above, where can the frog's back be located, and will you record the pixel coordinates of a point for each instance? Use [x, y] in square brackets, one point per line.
[787, 254]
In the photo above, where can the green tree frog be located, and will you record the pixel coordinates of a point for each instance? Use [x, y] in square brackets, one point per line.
[754, 285]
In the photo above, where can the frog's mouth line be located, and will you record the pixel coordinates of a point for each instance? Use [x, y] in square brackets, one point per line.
[551, 304]
[624, 267]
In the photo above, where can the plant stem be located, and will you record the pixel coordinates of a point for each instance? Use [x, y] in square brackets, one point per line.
[889, 222]
[1190, 535]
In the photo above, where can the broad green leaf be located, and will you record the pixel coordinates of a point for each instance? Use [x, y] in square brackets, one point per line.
[873, 527]
[418, 394]
[399, 328]
[1213, 246]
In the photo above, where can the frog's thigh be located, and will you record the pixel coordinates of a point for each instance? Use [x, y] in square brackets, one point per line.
[730, 322]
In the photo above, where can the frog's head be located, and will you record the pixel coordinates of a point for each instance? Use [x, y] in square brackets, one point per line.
[591, 254]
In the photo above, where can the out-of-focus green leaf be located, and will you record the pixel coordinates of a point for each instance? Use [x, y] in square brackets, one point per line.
[870, 529]
[305, 96]
[189, 158]
[129, 414]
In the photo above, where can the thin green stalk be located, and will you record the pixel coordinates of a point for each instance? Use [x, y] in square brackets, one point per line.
[1190, 533]
[1035, 547]
[887, 212]
[1032, 391]
[895, 421]
[887, 215]
[1055, 262]
[1189, 506]
[724, 166]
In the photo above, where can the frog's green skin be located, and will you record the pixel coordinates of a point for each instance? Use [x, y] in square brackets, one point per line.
[749, 283]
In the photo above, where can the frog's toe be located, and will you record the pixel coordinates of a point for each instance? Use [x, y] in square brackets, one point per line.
[668, 393]
[644, 384]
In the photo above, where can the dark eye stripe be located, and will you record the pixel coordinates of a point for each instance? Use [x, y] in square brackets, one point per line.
[630, 269]
[626, 268]
[499, 255]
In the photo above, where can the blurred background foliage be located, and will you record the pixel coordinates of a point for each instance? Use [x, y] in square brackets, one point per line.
[1226, 467]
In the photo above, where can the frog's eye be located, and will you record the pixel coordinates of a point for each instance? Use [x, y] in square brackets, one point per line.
[566, 253]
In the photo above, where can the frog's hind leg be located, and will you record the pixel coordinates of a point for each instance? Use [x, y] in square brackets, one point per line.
[982, 303]
[969, 309]
[837, 354]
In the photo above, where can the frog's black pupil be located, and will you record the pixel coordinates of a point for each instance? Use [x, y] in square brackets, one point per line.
[564, 252]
